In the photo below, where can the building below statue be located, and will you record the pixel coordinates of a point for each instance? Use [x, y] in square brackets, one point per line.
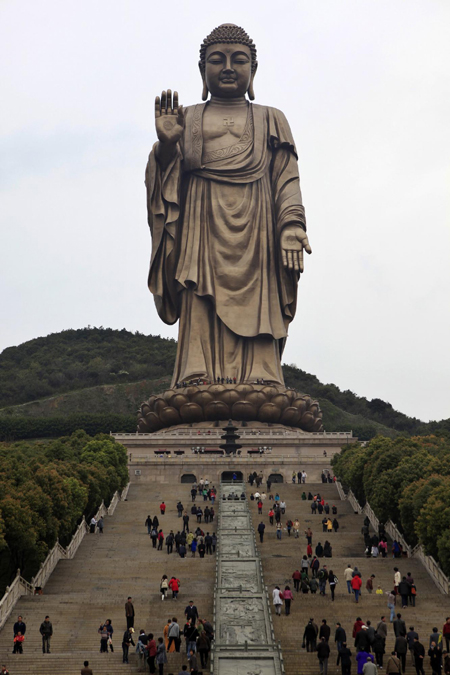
[185, 453]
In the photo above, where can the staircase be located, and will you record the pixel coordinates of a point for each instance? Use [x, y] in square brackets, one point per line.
[94, 586]
[281, 558]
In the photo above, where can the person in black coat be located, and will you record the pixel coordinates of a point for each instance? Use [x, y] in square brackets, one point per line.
[378, 649]
[362, 642]
[19, 626]
[327, 550]
[310, 636]
[324, 631]
[261, 528]
[345, 658]
[339, 637]
[323, 653]
[419, 656]
[435, 655]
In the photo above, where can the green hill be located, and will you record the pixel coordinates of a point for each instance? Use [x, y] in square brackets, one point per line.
[79, 376]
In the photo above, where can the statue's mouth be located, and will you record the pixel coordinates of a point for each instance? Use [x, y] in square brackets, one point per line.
[228, 80]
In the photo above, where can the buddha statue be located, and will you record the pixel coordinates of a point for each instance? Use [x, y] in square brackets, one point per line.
[227, 220]
[228, 231]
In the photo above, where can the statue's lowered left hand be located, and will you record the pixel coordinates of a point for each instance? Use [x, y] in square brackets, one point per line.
[294, 241]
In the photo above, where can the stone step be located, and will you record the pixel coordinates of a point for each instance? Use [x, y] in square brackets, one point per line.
[281, 558]
[94, 586]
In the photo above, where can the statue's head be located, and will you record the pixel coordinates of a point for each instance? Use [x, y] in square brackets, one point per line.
[228, 62]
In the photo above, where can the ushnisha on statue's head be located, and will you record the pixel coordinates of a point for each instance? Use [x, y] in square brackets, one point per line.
[228, 63]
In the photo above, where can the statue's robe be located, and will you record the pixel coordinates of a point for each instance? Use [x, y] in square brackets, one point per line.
[216, 219]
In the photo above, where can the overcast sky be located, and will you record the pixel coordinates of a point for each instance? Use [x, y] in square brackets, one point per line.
[365, 86]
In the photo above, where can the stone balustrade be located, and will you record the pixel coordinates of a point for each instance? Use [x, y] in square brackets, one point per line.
[21, 586]
[430, 564]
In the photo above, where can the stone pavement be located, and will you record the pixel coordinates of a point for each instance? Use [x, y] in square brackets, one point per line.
[94, 586]
[281, 558]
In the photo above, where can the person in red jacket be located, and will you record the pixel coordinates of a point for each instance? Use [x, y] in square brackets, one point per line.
[446, 633]
[151, 646]
[174, 585]
[297, 578]
[357, 626]
[356, 584]
[260, 506]
[162, 508]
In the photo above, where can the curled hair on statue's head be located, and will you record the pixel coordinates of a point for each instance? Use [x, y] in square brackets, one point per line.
[227, 33]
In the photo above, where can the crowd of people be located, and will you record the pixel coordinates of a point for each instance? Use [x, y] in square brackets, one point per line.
[197, 633]
[369, 643]
[189, 539]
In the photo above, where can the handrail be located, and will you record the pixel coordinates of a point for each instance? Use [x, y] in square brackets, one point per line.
[213, 433]
[357, 508]
[432, 567]
[251, 459]
[21, 586]
[13, 592]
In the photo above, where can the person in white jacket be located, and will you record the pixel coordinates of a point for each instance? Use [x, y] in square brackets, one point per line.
[277, 600]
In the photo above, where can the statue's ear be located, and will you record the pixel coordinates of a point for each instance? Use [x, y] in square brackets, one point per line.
[250, 90]
[205, 91]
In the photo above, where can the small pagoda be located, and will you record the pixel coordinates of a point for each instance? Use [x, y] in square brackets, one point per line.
[230, 437]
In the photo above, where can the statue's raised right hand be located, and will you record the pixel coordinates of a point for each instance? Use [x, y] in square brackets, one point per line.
[169, 119]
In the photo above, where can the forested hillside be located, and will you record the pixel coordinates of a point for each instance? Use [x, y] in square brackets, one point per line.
[85, 377]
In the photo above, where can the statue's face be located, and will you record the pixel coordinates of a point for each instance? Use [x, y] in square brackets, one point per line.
[228, 70]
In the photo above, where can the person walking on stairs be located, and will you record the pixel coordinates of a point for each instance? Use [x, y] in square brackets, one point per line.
[401, 649]
[191, 612]
[340, 637]
[151, 650]
[348, 575]
[399, 626]
[86, 670]
[174, 585]
[127, 640]
[369, 668]
[19, 626]
[174, 636]
[103, 632]
[18, 643]
[203, 648]
[419, 656]
[378, 648]
[393, 666]
[310, 636]
[288, 597]
[46, 630]
[129, 612]
[356, 584]
[435, 655]
[261, 528]
[161, 656]
[344, 657]
[164, 586]
[277, 598]
[323, 654]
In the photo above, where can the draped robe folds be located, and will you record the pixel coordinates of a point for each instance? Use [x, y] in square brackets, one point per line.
[216, 220]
